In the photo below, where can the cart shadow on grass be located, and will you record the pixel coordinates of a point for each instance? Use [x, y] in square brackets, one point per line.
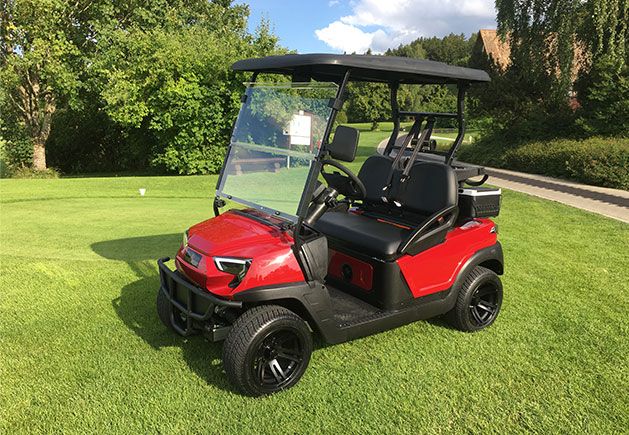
[136, 304]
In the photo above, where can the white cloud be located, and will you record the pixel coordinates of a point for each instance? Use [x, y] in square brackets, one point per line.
[333, 3]
[383, 24]
[345, 37]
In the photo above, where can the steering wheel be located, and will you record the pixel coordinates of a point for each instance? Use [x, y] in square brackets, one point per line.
[347, 184]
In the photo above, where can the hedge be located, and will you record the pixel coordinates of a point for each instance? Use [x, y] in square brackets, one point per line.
[600, 161]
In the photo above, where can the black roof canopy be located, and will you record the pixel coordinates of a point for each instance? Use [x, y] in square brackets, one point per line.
[332, 67]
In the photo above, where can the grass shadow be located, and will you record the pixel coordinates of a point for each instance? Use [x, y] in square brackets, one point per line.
[137, 301]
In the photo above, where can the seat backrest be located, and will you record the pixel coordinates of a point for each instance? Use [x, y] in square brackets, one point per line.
[344, 143]
[374, 174]
[430, 187]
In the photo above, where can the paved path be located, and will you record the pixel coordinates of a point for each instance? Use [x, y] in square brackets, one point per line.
[613, 203]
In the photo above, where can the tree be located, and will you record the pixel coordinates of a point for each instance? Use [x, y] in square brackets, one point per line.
[369, 102]
[174, 83]
[542, 37]
[552, 43]
[603, 90]
[150, 78]
[451, 49]
[39, 63]
[414, 49]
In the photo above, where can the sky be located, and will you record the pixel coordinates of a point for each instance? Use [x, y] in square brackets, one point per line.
[337, 26]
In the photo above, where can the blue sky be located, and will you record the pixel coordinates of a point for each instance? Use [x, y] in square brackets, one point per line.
[311, 26]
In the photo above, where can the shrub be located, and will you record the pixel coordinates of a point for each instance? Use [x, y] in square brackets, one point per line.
[596, 160]
[26, 172]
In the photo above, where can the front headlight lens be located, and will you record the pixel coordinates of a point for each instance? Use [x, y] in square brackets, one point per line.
[234, 266]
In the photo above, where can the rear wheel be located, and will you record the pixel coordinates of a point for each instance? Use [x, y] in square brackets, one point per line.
[478, 302]
[267, 350]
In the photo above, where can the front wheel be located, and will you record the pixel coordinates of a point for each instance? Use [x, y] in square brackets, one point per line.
[164, 310]
[267, 350]
[478, 302]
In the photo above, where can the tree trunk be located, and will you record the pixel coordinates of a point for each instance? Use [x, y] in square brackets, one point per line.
[39, 154]
[39, 140]
[37, 106]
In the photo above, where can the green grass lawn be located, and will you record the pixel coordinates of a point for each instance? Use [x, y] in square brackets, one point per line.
[82, 349]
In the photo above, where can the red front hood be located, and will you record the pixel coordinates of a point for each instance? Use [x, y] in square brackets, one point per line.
[233, 234]
[236, 234]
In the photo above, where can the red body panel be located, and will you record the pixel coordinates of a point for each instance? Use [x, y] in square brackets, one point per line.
[235, 235]
[435, 269]
[362, 272]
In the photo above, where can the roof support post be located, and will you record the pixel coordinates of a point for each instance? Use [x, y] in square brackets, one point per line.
[460, 116]
[339, 96]
[395, 112]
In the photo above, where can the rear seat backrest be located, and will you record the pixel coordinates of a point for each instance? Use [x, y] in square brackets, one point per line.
[429, 188]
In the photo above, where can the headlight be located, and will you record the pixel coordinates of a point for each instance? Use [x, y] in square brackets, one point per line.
[234, 266]
[184, 242]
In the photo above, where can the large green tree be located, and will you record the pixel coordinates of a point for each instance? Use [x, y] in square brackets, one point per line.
[149, 78]
[174, 83]
[552, 43]
[40, 60]
[603, 89]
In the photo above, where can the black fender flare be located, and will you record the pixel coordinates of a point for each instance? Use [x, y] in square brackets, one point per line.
[310, 300]
[491, 253]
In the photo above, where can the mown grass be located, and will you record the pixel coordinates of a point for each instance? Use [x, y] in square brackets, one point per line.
[82, 350]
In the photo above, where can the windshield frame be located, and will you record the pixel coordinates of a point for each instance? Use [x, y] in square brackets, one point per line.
[315, 165]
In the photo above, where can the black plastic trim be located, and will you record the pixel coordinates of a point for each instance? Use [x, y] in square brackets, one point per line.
[171, 281]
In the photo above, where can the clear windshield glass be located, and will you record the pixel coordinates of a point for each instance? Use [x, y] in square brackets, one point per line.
[276, 137]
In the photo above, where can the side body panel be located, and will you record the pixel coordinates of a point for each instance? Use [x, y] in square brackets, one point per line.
[437, 268]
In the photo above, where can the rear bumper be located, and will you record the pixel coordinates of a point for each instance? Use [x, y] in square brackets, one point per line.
[191, 307]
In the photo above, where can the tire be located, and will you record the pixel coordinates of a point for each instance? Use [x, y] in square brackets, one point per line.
[164, 310]
[478, 302]
[267, 350]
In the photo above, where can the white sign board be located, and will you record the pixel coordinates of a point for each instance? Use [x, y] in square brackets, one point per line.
[299, 129]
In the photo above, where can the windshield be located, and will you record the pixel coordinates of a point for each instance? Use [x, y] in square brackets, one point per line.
[276, 137]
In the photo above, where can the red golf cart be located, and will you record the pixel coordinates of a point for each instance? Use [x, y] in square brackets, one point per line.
[310, 247]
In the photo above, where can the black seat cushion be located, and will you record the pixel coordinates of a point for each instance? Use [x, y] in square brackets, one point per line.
[362, 234]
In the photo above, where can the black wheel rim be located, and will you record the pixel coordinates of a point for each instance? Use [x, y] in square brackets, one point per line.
[278, 360]
[484, 305]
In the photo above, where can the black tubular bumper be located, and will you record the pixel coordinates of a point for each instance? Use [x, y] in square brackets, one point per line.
[192, 303]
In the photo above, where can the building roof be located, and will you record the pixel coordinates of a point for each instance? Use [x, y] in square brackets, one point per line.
[497, 49]
[500, 51]
[371, 68]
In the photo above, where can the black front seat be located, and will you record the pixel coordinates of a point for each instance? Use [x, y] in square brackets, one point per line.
[429, 189]
[363, 234]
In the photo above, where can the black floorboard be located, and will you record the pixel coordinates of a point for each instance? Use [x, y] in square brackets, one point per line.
[349, 310]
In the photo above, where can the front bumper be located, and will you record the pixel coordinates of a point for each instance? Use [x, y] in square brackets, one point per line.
[192, 307]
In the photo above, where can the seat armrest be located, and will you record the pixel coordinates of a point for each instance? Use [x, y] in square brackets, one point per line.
[426, 230]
